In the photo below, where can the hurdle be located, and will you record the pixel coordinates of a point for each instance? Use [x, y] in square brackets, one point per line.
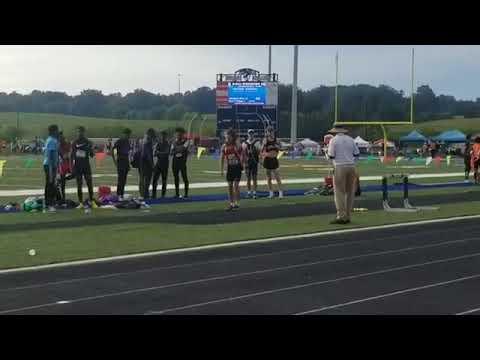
[406, 202]
[386, 204]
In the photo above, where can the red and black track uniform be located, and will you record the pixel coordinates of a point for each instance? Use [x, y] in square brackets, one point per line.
[233, 154]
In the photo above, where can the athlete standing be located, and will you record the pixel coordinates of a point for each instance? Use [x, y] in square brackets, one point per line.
[179, 151]
[162, 152]
[476, 158]
[65, 168]
[232, 152]
[147, 161]
[251, 149]
[122, 148]
[270, 149]
[82, 151]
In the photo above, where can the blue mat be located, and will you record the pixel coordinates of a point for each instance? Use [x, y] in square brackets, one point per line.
[293, 192]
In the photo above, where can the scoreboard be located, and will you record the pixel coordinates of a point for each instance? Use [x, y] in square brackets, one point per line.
[247, 100]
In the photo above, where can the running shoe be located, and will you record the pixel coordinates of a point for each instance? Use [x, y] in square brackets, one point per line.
[80, 206]
[94, 205]
[51, 209]
[229, 208]
[236, 207]
[271, 196]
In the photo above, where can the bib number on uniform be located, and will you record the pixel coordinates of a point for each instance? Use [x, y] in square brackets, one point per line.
[81, 154]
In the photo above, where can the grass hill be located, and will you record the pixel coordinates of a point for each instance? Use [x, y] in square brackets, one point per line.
[35, 124]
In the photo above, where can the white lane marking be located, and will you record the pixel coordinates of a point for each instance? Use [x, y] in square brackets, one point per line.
[241, 243]
[220, 184]
[238, 258]
[382, 296]
[469, 312]
[62, 302]
[316, 283]
[225, 277]
[232, 276]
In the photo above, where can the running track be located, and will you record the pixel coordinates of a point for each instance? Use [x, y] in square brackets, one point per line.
[427, 269]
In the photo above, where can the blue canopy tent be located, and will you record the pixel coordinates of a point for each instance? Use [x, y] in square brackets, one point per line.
[413, 137]
[451, 136]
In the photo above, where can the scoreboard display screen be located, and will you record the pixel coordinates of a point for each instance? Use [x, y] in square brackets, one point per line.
[247, 93]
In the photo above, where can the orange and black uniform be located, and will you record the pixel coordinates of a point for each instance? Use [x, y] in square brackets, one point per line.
[476, 159]
[233, 154]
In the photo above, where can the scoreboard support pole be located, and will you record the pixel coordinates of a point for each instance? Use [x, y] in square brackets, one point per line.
[293, 128]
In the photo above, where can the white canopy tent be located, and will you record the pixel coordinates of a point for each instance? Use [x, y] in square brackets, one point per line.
[361, 143]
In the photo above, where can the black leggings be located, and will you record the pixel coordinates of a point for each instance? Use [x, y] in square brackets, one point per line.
[122, 174]
[50, 186]
[146, 174]
[180, 168]
[80, 175]
[160, 170]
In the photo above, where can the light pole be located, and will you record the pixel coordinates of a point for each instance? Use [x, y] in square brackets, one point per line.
[269, 59]
[179, 76]
[293, 129]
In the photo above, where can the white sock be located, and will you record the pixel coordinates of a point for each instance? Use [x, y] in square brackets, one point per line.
[280, 193]
[271, 193]
[249, 192]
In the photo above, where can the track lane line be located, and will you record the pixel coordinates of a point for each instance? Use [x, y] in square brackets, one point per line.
[232, 276]
[389, 294]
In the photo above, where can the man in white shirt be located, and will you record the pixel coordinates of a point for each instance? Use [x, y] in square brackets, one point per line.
[343, 152]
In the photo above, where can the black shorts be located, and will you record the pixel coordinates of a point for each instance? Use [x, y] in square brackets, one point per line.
[234, 173]
[271, 163]
[82, 170]
[252, 170]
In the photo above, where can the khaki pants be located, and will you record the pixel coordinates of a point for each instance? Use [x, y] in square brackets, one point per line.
[344, 186]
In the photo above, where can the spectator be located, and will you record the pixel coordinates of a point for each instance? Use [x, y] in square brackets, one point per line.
[343, 152]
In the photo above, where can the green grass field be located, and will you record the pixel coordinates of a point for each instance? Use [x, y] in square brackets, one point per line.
[69, 235]
[35, 124]
[73, 235]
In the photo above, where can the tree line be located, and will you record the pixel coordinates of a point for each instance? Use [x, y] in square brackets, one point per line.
[315, 106]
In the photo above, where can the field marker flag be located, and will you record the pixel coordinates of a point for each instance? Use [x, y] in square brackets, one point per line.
[309, 155]
[200, 151]
[280, 154]
[449, 157]
[2, 164]
[29, 163]
[99, 157]
[428, 161]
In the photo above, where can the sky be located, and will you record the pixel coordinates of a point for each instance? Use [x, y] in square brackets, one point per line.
[450, 69]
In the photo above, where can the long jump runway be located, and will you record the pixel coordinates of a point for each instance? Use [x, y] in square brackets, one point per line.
[416, 269]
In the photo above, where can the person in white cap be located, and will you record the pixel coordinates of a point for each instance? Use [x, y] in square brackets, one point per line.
[343, 152]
